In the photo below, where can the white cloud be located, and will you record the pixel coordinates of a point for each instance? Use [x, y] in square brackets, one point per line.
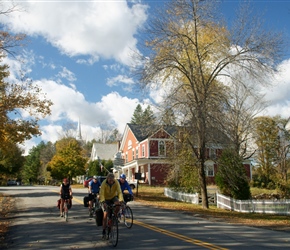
[102, 28]
[279, 93]
[119, 79]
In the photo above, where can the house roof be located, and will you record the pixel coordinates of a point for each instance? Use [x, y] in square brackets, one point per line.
[141, 132]
[104, 151]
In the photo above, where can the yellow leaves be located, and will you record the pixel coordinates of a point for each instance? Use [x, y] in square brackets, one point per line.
[15, 98]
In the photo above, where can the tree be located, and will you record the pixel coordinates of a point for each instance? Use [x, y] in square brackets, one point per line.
[35, 167]
[11, 162]
[243, 105]
[267, 141]
[68, 160]
[137, 115]
[32, 164]
[16, 98]
[23, 96]
[141, 117]
[190, 51]
[231, 176]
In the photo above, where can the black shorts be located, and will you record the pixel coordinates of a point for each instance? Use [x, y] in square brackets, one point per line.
[92, 196]
[110, 202]
[65, 196]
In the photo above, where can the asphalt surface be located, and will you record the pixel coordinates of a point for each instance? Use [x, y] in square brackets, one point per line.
[36, 225]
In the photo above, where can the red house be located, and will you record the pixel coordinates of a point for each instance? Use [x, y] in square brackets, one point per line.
[145, 150]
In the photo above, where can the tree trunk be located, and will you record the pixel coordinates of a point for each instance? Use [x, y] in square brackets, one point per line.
[203, 187]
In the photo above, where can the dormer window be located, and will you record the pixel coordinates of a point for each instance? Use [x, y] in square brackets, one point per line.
[161, 148]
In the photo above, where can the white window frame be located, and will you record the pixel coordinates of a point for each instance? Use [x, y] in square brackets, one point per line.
[159, 148]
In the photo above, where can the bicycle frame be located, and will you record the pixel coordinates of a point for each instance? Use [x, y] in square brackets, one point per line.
[112, 225]
[65, 209]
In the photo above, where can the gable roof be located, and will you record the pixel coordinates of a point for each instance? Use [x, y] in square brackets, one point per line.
[104, 151]
[141, 132]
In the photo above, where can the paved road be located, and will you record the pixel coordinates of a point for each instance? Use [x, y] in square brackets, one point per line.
[36, 225]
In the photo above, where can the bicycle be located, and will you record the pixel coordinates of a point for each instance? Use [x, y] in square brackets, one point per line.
[66, 206]
[125, 212]
[95, 206]
[112, 225]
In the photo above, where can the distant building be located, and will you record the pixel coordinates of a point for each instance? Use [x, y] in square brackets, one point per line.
[104, 151]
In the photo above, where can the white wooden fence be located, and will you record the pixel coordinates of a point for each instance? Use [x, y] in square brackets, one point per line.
[190, 198]
[246, 206]
[254, 206]
[186, 197]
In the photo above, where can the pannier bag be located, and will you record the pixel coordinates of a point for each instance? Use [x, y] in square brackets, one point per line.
[99, 217]
[86, 201]
[128, 197]
[69, 205]
[58, 203]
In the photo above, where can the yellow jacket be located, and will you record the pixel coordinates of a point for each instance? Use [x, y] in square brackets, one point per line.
[108, 192]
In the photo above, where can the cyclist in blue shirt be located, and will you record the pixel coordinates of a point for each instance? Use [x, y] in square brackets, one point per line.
[94, 189]
[125, 185]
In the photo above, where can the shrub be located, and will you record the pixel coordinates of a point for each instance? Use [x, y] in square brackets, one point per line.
[231, 176]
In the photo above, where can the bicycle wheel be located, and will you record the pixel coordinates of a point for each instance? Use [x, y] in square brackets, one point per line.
[114, 232]
[65, 211]
[128, 217]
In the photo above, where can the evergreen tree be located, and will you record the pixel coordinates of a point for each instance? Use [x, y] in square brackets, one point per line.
[141, 117]
[231, 176]
[137, 115]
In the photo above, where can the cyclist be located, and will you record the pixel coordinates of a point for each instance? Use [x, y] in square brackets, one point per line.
[110, 193]
[125, 185]
[65, 193]
[94, 189]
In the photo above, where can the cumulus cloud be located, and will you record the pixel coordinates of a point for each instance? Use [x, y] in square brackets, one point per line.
[93, 28]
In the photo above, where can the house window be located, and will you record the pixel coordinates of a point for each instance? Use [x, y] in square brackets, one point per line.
[126, 159]
[129, 144]
[209, 170]
[161, 148]
[212, 153]
[143, 150]
[137, 153]
[133, 154]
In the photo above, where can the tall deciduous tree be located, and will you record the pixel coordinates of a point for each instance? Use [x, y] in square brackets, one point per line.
[266, 138]
[193, 54]
[11, 161]
[68, 160]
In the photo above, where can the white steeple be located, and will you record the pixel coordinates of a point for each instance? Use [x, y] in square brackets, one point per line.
[79, 134]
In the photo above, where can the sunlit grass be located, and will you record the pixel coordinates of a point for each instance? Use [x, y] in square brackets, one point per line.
[154, 196]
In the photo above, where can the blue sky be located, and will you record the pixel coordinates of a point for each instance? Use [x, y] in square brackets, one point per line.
[79, 53]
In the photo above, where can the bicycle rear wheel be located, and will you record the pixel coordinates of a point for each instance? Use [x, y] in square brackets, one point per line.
[128, 217]
[114, 232]
[65, 211]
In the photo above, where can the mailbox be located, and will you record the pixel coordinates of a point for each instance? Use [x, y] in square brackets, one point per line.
[138, 176]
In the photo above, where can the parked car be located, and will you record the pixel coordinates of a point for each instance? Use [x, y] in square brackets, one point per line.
[11, 183]
[87, 180]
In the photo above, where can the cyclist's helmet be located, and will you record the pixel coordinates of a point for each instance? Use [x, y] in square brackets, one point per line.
[123, 176]
[95, 177]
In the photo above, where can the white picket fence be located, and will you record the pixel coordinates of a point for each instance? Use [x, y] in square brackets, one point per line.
[246, 206]
[186, 197]
[254, 206]
[190, 198]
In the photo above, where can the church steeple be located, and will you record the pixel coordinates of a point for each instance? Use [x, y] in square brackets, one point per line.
[79, 134]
